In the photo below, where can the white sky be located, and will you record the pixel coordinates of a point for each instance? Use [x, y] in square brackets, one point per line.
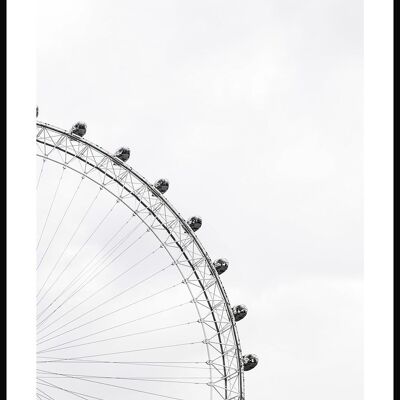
[253, 111]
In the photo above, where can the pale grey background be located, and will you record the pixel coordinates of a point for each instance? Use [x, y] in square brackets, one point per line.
[253, 110]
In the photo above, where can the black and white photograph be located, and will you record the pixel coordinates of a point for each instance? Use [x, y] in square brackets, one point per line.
[189, 211]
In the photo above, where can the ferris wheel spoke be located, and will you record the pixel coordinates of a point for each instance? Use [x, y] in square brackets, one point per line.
[136, 350]
[70, 240]
[183, 365]
[126, 388]
[89, 279]
[60, 222]
[95, 268]
[155, 313]
[162, 379]
[50, 208]
[100, 289]
[40, 174]
[79, 250]
[97, 272]
[43, 382]
[44, 395]
[59, 347]
[171, 363]
[120, 243]
[86, 267]
[122, 292]
[43, 339]
[94, 272]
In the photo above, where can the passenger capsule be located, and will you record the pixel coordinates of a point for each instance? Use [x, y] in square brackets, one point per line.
[249, 361]
[37, 111]
[239, 312]
[79, 129]
[123, 153]
[195, 223]
[162, 185]
[221, 265]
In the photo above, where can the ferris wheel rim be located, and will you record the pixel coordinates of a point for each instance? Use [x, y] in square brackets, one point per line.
[183, 225]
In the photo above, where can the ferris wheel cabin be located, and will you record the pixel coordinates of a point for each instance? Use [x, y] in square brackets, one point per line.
[249, 361]
[239, 312]
[195, 223]
[79, 129]
[123, 153]
[221, 265]
[162, 185]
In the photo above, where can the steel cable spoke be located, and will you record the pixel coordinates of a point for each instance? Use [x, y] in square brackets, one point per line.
[58, 348]
[121, 324]
[45, 395]
[82, 285]
[95, 274]
[90, 278]
[117, 310]
[69, 241]
[76, 394]
[81, 248]
[61, 221]
[131, 389]
[81, 272]
[50, 209]
[167, 379]
[97, 291]
[40, 174]
[167, 346]
[122, 292]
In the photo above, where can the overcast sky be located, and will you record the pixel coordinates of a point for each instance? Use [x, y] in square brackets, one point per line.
[253, 111]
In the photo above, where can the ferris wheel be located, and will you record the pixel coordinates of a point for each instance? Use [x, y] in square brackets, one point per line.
[129, 303]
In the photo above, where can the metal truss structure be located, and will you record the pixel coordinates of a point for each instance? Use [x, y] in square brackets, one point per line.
[176, 238]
